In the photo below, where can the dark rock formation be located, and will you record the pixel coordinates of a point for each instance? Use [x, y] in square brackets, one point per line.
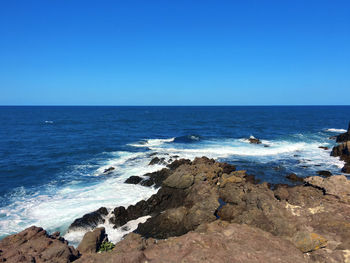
[133, 180]
[157, 160]
[35, 245]
[109, 170]
[344, 137]
[90, 220]
[156, 178]
[324, 173]
[177, 163]
[323, 147]
[92, 241]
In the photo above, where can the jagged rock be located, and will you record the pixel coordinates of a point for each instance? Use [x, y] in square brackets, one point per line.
[121, 217]
[215, 242]
[133, 180]
[181, 178]
[254, 140]
[177, 163]
[342, 150]
[324, 173]
[308, 242]
[157, 160]
[344, 137]
[35, 245]
[90, 220]
[92, 241]
[337, 185]
[156, 178]
[109, 170]
[294, 178]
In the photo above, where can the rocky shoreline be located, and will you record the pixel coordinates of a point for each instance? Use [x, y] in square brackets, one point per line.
[207, 211]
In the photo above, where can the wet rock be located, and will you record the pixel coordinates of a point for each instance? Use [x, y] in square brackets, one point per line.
[157, 160]
[254, 140]
[120, 218]
[133, 180]
[109, 170]
[178, 163]
[323, 147]
[342, 150]
[156, 178]
[90, 220]
[346, 168]
[35, 245]
[294, 178]
[324, 173]
[307, 242]
[344, 137]
[92, 241]
[227, 168]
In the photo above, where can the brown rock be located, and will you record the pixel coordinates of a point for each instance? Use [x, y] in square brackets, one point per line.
[92, 241]
[308, 242]
[35, 245]
[294, 178]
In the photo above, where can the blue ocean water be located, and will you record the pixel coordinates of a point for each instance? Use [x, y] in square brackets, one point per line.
[52, 158]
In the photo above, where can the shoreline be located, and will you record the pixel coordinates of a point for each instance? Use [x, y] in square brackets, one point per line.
[201, 195]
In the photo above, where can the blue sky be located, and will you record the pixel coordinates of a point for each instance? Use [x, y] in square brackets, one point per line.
[174, 52]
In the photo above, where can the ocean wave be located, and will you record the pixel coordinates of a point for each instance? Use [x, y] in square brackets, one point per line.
[151, 142]
[48, 122]
[187, 139]
[335, 130]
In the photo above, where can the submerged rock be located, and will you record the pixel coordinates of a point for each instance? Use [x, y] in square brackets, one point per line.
[35, 245]
[294, 178]
[324, 173]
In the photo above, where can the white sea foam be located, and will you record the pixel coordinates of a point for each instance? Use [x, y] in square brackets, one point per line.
[152, 142]
[49, 122]
[335, 130]
[56, 208]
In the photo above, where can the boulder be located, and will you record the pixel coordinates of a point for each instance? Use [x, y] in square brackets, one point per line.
[342, 150]
[307, 242]
[178, 163]
[133, 180]
[35, 245]
[92, 241]
[181, 178]
[90, 220]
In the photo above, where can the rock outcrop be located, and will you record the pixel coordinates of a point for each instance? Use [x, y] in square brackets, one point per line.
[207, 211]
[92, 241]
[342, 150]
[35, 245]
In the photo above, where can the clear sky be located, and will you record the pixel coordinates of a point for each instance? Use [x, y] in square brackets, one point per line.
[57, 52]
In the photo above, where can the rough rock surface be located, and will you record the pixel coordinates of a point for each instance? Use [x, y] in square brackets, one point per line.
[215, 242]
[90, 220]
[342, 150]
[35, 245]
[92, 240]
[344, 137]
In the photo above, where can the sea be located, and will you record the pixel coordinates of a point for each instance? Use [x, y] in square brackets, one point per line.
[53, 158]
